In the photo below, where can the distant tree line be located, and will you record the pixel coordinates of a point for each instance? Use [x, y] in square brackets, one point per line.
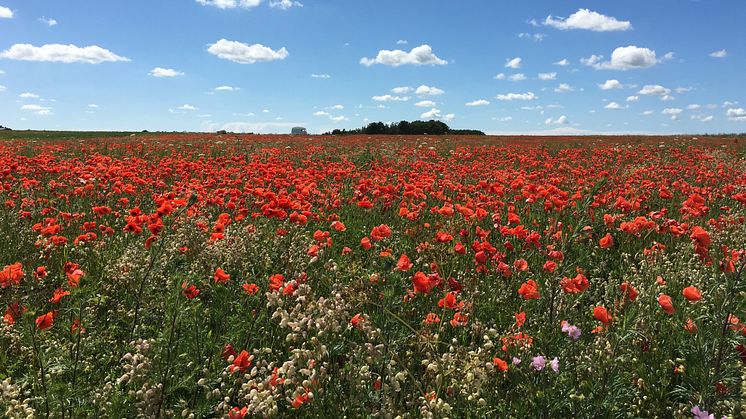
[431, 127]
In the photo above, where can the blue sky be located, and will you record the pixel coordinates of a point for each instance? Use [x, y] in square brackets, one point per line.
[651, 66]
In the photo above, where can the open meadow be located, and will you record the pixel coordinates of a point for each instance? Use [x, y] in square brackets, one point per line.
[196, 275]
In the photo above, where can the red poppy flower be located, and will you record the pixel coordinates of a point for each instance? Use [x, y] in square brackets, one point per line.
[692, 293]
[606, 241]
[600, 314]
[189, 291]
[404, 264]
[250, 289]
[666, 304]
[500, 364]
[45, 321]
[241, 362]
[529, 290]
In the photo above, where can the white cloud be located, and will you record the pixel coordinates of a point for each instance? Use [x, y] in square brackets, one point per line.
[548, 76]
[28, 95]
[5, 13]
[92, 54]
[165, 72]
[517, 77]
[421, 55]
[226, 89]
[499, 76]
[92, 105]
[588, 20]
[559, 121]
[719, 54]
[37, 109]
[241, 53]
[187, 107]
[503, 119]
[321, 113]
[390, 98]
[728, 103]
[321, 76]
[673, 113]
[648, 113]
[425, 104]
[434, 113]
[702, 118]
[536, 37]
[633, 98]
[564, 87]
[258, 127]
[693, 107]
[563, 62]
[624, 58]
[517, 96]
[514, 63]
[683, 89]
[48, 22]
[613, 105]
[339, 118]
[3, 88]
[230, 4]
[667, 98]
[401, 90]
[736, 114]
[610, 84]
[654, 89]
[285, 4]
[428, 91]
[402, 42]
[479, 102]
[337, 107]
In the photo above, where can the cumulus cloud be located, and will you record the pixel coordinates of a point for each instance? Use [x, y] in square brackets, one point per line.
[425, 104]
[5, 13]
[92, 105]
[285, 4]
[479, 102]
[514, 63]
[402, 42]
[563, 62]
[37, 109]
[401, 90]
[390, 98]
[610, 84]
[428, 91]
[517, 96]
[719, 54]
[736, 114]
[421, 55]
[693, 106]
[48, 22]
[503, 119]
[624, 58]
[517, 77]
[500, 76]
[241, 53]
[559, 121]
[28, 95]
[434, 113]
[673, 113]
[3, 88]
[321, 76]
[588, 20]
[226, 89]
[187, 107]
[633, 98]
[59, 53]
[613, 105]
[548, 76]
[654, 90]
[337, 107]
[165, 72]
[230, 4]
[564, 87]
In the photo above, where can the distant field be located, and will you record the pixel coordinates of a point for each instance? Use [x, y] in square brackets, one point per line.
[203, 275]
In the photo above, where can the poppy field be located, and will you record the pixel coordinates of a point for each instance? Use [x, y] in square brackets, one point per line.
[197, 275]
